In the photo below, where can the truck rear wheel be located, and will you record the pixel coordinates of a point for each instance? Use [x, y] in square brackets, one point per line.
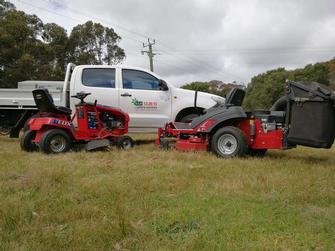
[55, 141]
[26, 141]
[229, 142]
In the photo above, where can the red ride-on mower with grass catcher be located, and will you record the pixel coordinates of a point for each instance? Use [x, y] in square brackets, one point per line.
[305, 116]
[92, 126]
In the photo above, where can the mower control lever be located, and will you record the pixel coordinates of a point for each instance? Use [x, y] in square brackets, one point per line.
[81, 96]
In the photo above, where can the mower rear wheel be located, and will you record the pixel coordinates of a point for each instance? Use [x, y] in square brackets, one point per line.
[55, 141]
[229, 142]
[125, 142]
[26, 141]
[257, 152]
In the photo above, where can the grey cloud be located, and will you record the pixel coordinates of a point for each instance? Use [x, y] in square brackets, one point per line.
[214, 39]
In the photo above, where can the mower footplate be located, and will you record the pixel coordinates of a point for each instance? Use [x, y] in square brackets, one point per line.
[96, 144]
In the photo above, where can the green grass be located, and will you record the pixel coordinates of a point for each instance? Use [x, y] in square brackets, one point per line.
[147, 199]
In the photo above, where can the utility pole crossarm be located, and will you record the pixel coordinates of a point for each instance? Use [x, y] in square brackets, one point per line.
[150, 53]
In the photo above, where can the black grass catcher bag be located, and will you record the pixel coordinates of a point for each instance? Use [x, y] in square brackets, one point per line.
[311, 110]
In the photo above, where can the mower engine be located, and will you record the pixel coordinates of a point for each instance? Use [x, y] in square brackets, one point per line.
[270, 120]
[110, 121]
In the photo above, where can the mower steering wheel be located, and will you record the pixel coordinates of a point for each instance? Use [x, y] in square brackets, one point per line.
[81, 96]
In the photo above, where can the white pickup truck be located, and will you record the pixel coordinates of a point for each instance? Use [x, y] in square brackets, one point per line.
[147, 98]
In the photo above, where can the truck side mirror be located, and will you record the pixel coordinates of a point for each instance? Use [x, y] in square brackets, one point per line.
[163, 85]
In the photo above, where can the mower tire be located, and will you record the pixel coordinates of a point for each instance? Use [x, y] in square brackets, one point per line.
[164, 144]
[26, 141]
[229, 142]
[257, 152]
[55, 141]
[125, 142]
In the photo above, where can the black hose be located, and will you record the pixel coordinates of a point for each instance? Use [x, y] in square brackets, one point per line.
[280, 104]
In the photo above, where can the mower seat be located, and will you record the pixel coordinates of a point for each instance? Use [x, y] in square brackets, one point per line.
[45, 103]
[234, 97]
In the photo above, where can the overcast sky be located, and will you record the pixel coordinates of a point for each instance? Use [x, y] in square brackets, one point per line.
[207, 39]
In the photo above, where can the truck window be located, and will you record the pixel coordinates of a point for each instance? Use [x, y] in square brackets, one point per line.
[134, 79]
[95, 77]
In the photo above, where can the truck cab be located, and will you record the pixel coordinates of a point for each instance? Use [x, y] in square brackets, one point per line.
[148, 99]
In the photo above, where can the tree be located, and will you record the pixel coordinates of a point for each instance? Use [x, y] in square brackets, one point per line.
[206, 87]
[5, 7]
[18, 46]
[197, 86]
[56, 42]
[266, 88]
[30, 49]
[92, 43]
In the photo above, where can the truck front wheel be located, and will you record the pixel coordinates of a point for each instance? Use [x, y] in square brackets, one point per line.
[55, 141]
[188, 118]
[229, 142]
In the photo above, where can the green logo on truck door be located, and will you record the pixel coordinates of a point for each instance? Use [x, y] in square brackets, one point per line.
[144, 104]
[136, 102]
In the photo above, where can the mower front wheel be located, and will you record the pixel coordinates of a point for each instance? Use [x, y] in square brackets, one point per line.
[229, 142]
[55, 141]
[26, 141]
[125, 142]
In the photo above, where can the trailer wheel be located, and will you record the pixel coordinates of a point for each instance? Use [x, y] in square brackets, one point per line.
[257, 152]
[55, 141]
[125, 142]
[26, 141]
[5, 130]
[229, 142]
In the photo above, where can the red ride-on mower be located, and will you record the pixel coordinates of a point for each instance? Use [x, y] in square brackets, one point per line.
[305, 116]
[52, 130]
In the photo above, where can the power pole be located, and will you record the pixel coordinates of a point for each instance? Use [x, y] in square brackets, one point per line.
[150, 53]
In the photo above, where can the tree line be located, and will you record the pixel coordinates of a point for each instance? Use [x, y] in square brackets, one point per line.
[31, 49]
[264, 89]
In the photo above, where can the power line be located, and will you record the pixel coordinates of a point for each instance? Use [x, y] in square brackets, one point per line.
[69, 17]
[104, 21]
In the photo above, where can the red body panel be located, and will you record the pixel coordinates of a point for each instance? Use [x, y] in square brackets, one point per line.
[198, 141]
[261, 139]
[192, 144]
[89, 126]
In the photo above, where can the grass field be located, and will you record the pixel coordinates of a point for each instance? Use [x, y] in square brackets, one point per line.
[147, 199]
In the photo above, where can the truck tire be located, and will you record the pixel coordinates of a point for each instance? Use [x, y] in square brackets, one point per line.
[125, 142]
[26, 141]
[55, 141]
[229, 142]
[257, 152]
[188, 118]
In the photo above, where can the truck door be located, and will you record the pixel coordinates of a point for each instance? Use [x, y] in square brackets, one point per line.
[100, 82]
[142, 98]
